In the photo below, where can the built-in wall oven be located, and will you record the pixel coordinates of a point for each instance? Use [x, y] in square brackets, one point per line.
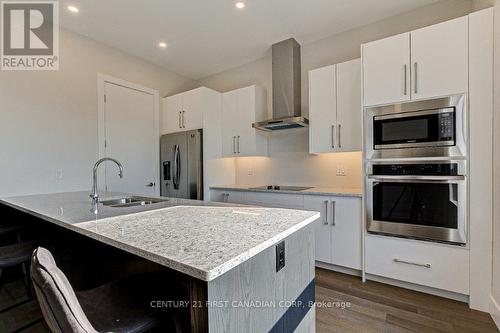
[430, 128]
[414, 199]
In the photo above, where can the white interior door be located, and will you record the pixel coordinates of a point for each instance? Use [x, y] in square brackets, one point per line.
[131, 137]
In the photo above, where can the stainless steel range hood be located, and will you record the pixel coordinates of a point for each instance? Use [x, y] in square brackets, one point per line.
[286, 89]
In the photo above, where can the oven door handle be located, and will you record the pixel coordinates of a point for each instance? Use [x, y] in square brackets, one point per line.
[417, 178]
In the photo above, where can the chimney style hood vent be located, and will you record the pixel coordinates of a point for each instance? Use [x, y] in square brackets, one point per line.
[286, 89]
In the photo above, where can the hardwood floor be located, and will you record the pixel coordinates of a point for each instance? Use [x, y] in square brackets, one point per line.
[361, 307]
[377, 307]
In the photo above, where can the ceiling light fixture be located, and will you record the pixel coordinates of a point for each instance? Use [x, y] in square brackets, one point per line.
[162, 45]
[240, 5]
[73, 9]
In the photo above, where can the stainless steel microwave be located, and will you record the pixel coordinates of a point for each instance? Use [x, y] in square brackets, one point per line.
[430, 128]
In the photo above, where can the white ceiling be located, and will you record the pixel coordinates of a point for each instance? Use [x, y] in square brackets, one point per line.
[209, 36]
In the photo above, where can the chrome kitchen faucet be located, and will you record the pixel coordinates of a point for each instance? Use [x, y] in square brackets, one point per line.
[94, 195]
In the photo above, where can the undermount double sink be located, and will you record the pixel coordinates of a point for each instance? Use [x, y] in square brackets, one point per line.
[130, 201]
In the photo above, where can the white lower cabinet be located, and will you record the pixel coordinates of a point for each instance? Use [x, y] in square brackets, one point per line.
[227, 196]
[428, 264]
[338, 231]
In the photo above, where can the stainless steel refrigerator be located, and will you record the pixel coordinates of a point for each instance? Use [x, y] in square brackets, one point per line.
[181, 158]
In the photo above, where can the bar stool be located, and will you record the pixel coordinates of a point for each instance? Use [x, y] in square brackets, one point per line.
[114, 307]
[18, 255]
[9, 228]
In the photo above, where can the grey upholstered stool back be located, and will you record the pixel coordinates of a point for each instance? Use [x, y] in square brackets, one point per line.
[58, 301]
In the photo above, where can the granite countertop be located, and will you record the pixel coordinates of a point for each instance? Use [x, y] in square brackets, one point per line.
[201, 239]
[338, 191]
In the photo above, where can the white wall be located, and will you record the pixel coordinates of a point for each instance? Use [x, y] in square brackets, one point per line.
[48, 119]
[494, 307]
[289, 161]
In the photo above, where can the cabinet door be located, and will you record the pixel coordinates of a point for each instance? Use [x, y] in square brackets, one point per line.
[349, 124]
[322, 110]
[439, 56]
[245, 133]
[230, 122]
[172, 107]
[217, 195]
[192, 107]
[386, 70]
[346, 231]
[322, 226]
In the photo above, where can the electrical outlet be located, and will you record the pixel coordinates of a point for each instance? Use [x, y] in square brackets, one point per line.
[280, 256]
[340, 170]
[250, 172]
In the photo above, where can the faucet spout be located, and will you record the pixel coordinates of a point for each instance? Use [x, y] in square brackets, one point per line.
[94, 195]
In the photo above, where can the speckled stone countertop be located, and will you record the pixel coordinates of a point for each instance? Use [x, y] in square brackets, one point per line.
[338, 191]
[201, 239]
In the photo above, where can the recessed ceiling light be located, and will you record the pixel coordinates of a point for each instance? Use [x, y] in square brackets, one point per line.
[240, 5]
[73, 9]
[162, 45]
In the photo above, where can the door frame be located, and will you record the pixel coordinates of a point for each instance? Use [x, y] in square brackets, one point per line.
[102, 79]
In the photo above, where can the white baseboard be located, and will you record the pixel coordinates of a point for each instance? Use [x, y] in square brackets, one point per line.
[339, 269]
[495, 311]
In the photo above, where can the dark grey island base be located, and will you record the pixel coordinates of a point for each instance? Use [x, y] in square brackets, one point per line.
[225, 257]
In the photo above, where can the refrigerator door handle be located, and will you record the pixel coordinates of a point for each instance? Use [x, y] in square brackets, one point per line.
[177, 167]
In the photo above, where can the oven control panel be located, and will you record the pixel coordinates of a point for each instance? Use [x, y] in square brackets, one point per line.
[438, 169]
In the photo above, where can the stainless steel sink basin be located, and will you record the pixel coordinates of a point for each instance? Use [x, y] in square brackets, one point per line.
[131, 201]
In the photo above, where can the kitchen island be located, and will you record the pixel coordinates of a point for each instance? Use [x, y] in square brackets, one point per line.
[249, 267]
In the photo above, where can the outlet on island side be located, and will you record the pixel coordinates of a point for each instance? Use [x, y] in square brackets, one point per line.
[280, 256]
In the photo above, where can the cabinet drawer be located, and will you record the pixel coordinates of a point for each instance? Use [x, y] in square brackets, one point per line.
[275, 199]
[426, 264]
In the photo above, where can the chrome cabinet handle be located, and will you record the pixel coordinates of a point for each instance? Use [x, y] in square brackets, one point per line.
[239, 152]
[227, 197]
[405, 88]
[340, 144]
[416, 82]
[411, 263]
[325, 220]
[333, 213]
[180, 115]
[234, 145]
[333, 136]
[183, 119]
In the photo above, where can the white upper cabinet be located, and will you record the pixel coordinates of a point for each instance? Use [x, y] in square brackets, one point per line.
[241, 108]
[322, 110]
[386, 70]
[425, 63]
[335, 108]
[349, 128]
[439, 56]
[183, 112]
[171, 114]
